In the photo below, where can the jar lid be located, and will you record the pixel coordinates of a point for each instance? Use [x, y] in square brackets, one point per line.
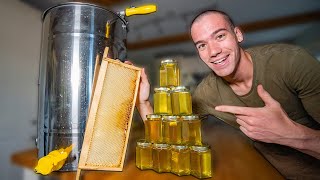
[179, 147]
[153, 116]
[165, 61]
[143, 143]
[180, 89]
[161, 146]
[190, 117]
[202, 148]
[162, 89]
[170, 118]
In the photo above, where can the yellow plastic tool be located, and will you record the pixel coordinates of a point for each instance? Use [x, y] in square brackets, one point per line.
[53, 161]
[107, 30]
[141, 10]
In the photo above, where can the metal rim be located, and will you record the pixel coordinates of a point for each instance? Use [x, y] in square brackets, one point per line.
[190, 117]
[81, 4]
[161, 89]
[203, 148]
[180, 89]
[170, 118]
[168, 61]
[143, 143]
[179, 147]
[151, 116]
[161, 146]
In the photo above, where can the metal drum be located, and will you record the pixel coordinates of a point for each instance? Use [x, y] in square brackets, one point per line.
[74, 34]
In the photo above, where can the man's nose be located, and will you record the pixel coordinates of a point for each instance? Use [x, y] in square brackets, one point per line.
[214, 49]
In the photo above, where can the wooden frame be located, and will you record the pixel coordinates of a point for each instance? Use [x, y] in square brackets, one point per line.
[86, 147]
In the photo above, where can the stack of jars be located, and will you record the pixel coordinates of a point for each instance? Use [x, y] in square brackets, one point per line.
[173, 140]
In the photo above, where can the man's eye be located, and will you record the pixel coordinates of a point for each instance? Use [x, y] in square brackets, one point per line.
[221, 36]
[201, 47]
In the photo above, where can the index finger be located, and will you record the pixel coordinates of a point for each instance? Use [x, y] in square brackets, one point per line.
[235, 110]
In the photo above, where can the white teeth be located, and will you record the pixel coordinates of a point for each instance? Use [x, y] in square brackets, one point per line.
[219, 61]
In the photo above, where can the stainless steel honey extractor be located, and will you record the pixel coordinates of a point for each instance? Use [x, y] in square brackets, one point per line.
[73, 35]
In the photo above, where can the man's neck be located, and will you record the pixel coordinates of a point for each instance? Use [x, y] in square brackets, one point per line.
[241, 80]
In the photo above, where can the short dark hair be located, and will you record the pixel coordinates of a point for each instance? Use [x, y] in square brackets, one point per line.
[213, 11]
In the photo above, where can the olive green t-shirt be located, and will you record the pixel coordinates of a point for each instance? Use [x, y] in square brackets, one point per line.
[292, 77]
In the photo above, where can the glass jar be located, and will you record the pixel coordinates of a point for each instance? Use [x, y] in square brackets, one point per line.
[191, 130]
[162, 101]
[169, 73]
[180, 160]
[181, 101]
[171, 129]
[161, 157]
[200, 158]
[153, 128]
[144, 155]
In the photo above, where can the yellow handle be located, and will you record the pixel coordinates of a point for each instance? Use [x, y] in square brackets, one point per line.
[141, 10]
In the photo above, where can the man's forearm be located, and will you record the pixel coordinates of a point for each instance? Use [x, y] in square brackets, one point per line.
[144, 109]
[310, 142]
[307, 141]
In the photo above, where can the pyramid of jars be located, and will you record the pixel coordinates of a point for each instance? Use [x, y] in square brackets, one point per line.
[173, 142]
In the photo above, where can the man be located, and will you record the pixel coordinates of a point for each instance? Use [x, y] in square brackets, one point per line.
[271, 92]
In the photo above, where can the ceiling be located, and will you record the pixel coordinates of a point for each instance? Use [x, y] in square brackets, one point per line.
[263, 21]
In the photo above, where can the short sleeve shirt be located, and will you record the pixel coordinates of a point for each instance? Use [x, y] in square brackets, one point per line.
[292, 77]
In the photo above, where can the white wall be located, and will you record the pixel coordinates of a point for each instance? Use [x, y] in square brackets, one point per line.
[20, 37]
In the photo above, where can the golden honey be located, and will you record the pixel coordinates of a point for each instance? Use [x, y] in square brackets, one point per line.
[191, 130]
[180, 160]
[181, 101]
[161, 157]
[171, 129]
[169, 73]
[200, 158]
[144, 155]
[153, 128]
[162, 101]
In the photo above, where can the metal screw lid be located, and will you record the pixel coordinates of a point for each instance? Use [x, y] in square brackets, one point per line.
[180, 89]
[165, 61]
[153, 116]
[162, 89]
[143, 143]
[161, 146]
[170, 118]
[179, 147]
[190, 117]
[202, 148]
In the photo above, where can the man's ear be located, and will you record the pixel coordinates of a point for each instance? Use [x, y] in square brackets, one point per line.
[238, 33]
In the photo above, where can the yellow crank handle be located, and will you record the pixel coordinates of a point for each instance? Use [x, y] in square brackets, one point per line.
[141, 10]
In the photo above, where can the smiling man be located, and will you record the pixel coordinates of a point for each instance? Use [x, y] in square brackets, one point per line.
[271, 92]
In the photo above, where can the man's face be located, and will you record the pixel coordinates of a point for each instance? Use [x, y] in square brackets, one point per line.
[217, 43]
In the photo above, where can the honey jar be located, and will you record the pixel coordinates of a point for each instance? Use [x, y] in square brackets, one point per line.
[144, 155]
[200, 158]
[169, 73]
[171, 129]
[161, 157]
[181, 101]
[191, 130]
[162, 101]
[180, 160]
[153, 128]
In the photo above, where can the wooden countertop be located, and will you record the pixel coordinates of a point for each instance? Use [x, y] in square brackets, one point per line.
[233, 157]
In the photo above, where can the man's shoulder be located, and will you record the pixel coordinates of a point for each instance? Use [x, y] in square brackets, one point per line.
[270, 49]
[278, 55]
[277, 52]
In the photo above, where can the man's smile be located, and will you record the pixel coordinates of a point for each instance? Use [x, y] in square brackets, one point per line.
[220, 61]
